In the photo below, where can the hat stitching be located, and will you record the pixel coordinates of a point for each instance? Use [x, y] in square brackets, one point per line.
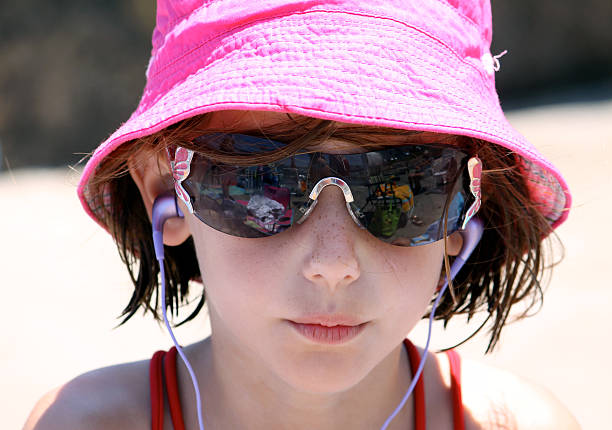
[457, 95]
[281, 24]
[489, 123]
[432, 108]
[456, 11]
[275, 68]
[395, 71]
[434, 105]
[477, 89]
[288, 42]
[425, 41]
[356, 11]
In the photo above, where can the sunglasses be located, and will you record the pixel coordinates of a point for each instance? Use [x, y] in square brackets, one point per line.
[400, 194]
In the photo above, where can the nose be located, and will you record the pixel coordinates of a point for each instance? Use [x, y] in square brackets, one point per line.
[332, 261]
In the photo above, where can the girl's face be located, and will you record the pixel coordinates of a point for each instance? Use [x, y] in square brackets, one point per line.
[324, 268]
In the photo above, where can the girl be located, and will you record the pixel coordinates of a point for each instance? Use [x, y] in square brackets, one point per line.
[329, 173]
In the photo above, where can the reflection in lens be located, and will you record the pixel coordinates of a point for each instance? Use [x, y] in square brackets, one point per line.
[399, 193]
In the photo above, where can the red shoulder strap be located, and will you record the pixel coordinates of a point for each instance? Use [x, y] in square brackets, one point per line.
[164, 364]
[157, 393]
[419, 389]
[172, 387]
[455, 373]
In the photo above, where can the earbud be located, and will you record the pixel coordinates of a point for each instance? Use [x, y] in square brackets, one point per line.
[164, 207]
[471, 237]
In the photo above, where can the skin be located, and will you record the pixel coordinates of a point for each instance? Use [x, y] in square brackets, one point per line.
[257, 372]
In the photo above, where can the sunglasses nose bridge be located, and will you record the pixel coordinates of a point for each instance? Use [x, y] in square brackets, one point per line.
[318, 188]
[331, 180]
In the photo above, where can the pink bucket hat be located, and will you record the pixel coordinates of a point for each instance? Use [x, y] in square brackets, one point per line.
[422, 65]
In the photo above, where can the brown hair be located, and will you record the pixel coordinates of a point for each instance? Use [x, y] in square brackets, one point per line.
[507, 266]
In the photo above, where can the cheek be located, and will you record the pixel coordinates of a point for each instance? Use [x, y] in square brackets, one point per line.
[417, 266]
[417, 272]
[238, 275]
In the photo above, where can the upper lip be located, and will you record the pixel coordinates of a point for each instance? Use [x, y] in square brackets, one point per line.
[329, 320]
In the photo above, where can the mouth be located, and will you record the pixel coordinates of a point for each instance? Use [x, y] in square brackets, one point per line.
[329, 320]
[328, 330]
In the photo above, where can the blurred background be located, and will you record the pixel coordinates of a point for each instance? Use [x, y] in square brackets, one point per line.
[72, 71]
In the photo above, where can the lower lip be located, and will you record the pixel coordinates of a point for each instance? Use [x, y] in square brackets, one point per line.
[328, 335]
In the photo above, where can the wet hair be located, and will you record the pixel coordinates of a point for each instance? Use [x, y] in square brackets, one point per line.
[507, 267]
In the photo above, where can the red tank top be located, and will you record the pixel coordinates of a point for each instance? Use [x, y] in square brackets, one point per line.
[162, 373]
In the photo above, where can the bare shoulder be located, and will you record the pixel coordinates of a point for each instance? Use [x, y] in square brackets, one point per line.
[107, 398]
[498, 399]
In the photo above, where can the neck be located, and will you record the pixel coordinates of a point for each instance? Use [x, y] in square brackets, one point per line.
[241, 392]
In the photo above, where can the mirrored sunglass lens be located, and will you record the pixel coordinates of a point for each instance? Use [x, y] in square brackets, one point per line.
[255, 201]
[400, 193]
[406, 192]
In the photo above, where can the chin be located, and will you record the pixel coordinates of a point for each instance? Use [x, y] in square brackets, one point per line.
[324, 372]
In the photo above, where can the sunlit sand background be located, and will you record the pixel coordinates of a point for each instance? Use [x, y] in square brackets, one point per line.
[63, 284]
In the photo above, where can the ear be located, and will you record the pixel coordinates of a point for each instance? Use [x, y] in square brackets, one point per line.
[150, 171]
[454, 243]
